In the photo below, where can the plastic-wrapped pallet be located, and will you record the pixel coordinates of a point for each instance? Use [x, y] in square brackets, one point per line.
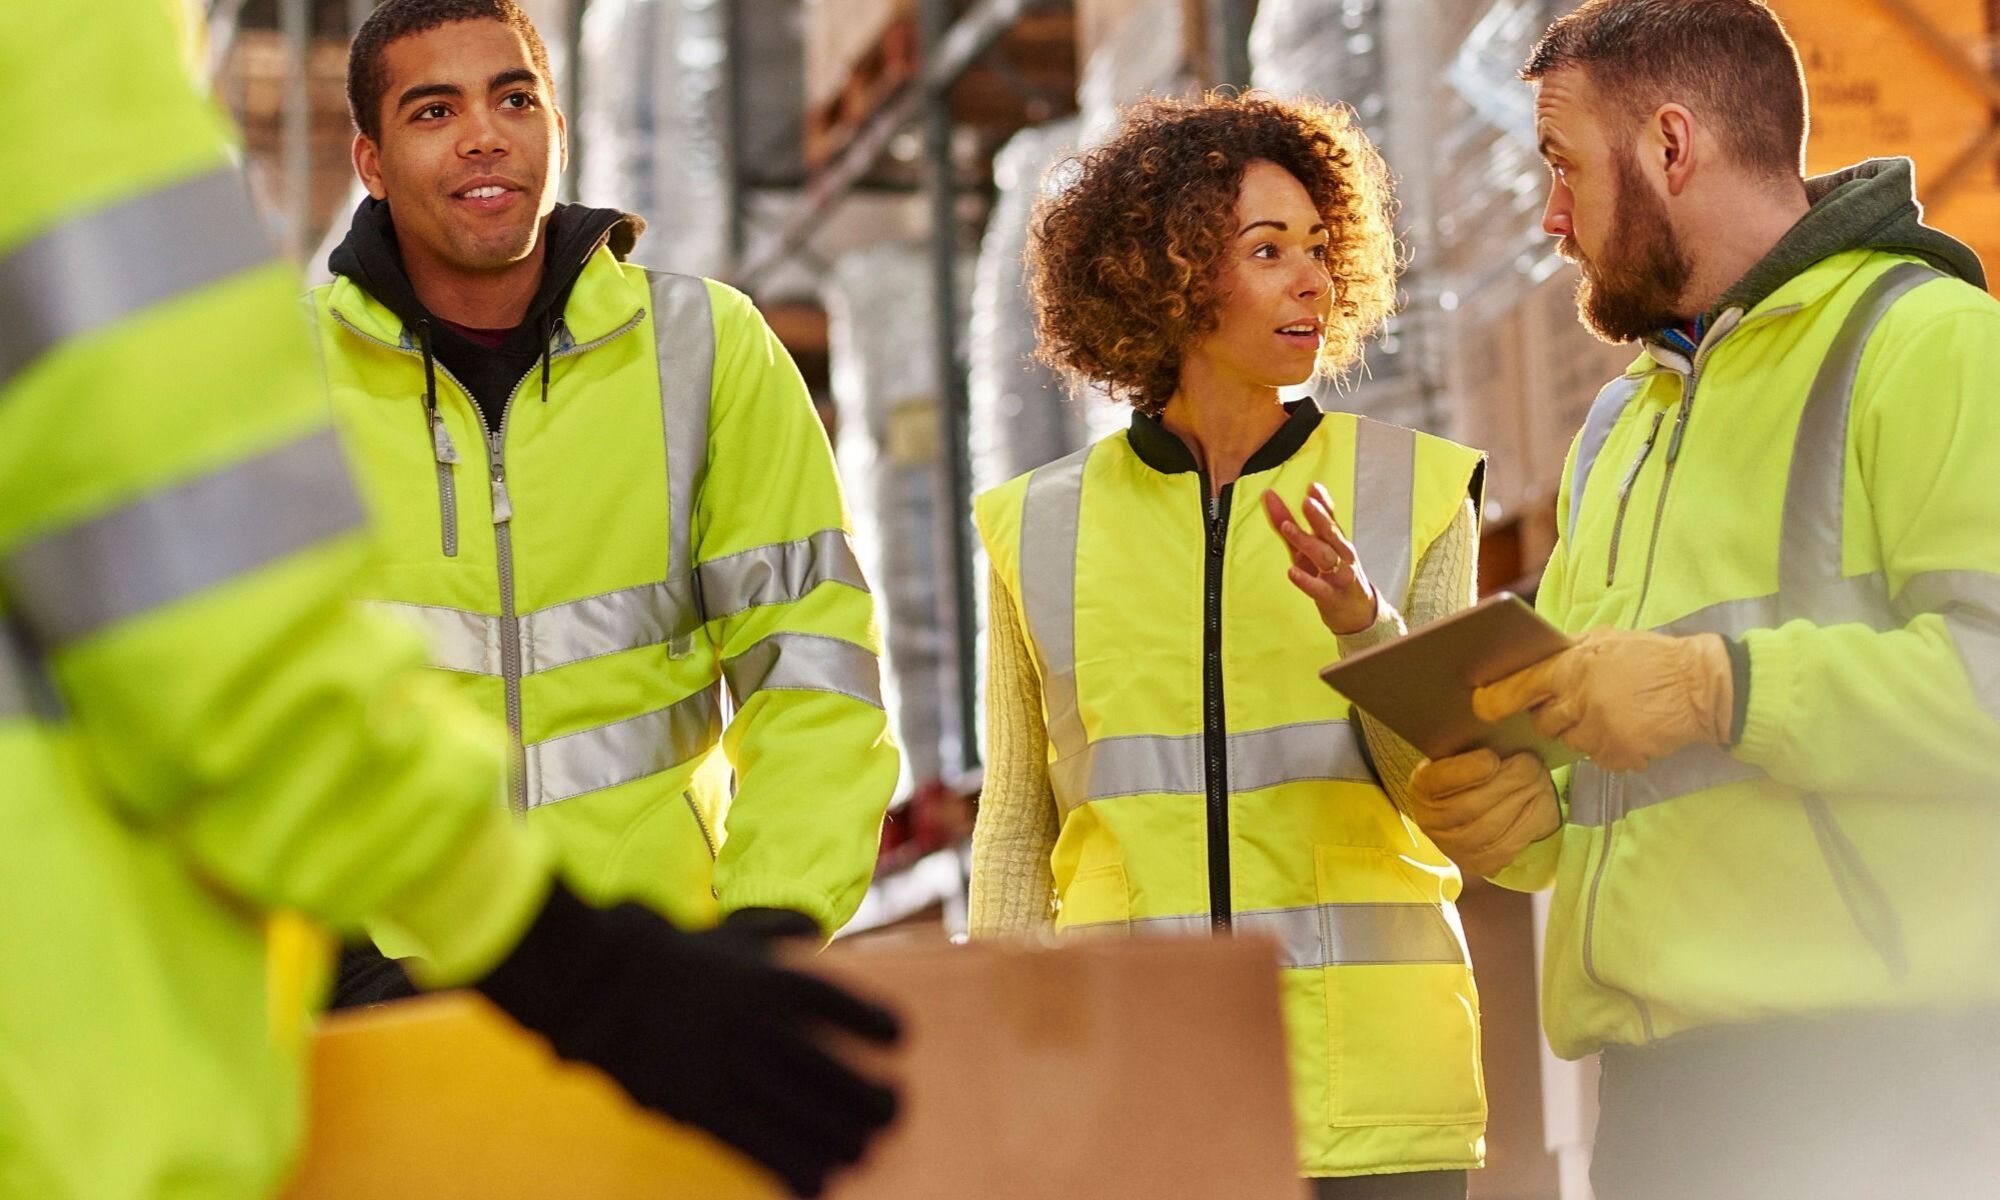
[885, 377]
[652, 133]
[1022, 413]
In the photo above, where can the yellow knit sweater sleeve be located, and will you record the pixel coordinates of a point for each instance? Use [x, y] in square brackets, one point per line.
[1012, 887]
[1445, 582]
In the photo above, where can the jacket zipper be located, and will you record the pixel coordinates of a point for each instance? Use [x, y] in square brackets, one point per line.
[701, 822]
[1614, 800]
[503, 540]
[1625, 496]
[447, 460]
[1215, 735]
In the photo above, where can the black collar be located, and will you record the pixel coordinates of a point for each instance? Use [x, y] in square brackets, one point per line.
[1168, 455]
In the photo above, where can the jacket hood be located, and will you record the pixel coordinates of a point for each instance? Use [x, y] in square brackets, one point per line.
[370, 257]
[1869, 206]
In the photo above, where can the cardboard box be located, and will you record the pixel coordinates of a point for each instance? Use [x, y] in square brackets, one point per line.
[1878, 85]
[1136, 1069]
[839, 33]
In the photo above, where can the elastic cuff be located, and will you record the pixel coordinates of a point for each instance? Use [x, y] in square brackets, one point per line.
[739, 894]
[1739, 686]
[464, 917]
[1763, 713]
[1534, 868]
[1388, 627]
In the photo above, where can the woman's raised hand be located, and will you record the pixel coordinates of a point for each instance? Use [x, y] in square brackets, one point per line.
[1324, 564]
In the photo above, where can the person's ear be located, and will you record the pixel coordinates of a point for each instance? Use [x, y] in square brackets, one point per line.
[1674, 146]
[368, 165]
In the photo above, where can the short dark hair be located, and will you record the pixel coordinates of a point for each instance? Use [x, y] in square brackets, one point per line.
[394, 20]
[1730, 61]
[1124, 259]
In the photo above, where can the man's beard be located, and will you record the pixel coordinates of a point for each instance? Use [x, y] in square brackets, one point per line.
[1634, 287]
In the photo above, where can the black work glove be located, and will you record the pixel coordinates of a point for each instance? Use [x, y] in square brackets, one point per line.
[704, 1028]
[367, 977]
[772, 924]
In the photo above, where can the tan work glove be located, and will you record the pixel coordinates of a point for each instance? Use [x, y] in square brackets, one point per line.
[1482, 810]
[1624, 698]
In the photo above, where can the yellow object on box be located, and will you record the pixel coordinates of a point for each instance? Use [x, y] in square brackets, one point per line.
[445, 1097]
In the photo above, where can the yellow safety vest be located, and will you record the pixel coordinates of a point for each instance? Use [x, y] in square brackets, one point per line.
[1805, 484]
[1209, 781]
[665, 525]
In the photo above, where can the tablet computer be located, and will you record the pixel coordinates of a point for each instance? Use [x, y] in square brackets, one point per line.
[1421, 684]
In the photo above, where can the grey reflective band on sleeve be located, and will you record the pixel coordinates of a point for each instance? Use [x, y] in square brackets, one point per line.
[1809, 554]
[172, 543]
[1140, 764]
[1856, 599]
[590, 760]
[1597, 796]
[461, 641]
[777, 574]
[1604, 413]
[1969, 601]
[102, 266]
[684, 341]
[1050, 514]
[1385, 480]
[1314, 936]
[805, 662]
[15, 699]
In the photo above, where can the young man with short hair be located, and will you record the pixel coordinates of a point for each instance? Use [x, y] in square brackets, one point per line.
[1780, 550]
[604, 494]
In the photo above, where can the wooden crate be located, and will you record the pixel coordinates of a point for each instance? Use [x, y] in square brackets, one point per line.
[838, 35]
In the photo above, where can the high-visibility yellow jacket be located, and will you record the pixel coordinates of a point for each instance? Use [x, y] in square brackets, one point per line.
[1209, 780]
[197, 728]
[1819, 481]
[665, 523]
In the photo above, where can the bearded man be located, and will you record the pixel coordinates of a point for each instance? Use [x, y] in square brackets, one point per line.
[1779, 552]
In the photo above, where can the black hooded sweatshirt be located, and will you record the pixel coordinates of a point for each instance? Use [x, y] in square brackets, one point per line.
[370, 257]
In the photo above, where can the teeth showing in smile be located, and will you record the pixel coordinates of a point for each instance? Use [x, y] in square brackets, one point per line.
[485, 193]
[1306, 329]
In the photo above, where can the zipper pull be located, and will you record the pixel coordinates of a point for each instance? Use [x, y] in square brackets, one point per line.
[1639, 462]
[441, 440]
[1680, 430]
[503, 507]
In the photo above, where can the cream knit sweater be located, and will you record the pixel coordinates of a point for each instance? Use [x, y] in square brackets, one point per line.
[1012, 888]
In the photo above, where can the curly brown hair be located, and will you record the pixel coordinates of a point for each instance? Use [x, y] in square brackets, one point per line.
[1123, 259]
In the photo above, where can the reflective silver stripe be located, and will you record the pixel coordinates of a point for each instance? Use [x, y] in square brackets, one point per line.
[596, 625]
[1327, 935]
[684, 340]
[591, 759]
[97, 268]
[1809, 555]
[1141, 764]
[778, 573]
[1604, 413]
[1385, 481]
[173, 543]
[1597, 796]
[1862, 599]
[805, 662]
[1970, 603]
[466, 642]
[15, 702]
[1050, 512]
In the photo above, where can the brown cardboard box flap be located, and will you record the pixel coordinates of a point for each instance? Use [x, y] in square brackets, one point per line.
[1145, 1069]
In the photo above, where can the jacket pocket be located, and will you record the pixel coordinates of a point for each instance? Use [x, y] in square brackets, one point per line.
[1867, 904]
[1097, 896]
[1402, 1014]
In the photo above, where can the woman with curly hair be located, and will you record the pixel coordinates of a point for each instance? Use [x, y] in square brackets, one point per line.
[1162, 756]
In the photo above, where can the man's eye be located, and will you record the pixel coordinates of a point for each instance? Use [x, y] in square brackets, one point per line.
[431, 112]
[525, 100]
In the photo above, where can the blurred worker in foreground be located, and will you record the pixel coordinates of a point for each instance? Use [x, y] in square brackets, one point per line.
[1780, 546]
[1161, 755]
[201, 738]
[603, 493]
